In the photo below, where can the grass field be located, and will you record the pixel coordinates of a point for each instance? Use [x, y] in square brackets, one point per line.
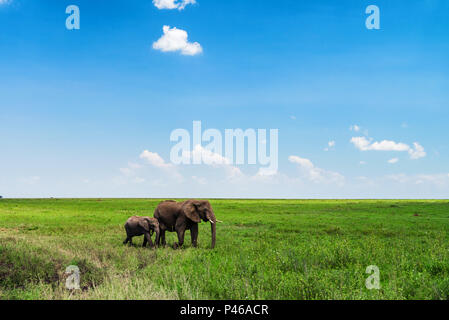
[266, 249]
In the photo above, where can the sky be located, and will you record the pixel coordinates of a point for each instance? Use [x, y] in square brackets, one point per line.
[360, 113]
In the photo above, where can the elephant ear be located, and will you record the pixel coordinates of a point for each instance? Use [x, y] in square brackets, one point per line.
[191, 211]
[145, 224]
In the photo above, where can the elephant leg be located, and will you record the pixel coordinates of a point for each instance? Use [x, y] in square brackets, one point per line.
[156, 239]
[126, 240]
[163, 238]
[180, 233]
[147, 237]
[194, 235]
[144, 241]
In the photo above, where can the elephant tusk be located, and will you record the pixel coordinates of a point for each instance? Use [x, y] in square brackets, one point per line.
[219, 221]
[211, 221]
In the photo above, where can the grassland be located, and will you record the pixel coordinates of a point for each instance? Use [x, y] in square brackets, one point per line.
[266, 249]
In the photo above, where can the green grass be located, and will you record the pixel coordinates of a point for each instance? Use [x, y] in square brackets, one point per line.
[266, 249]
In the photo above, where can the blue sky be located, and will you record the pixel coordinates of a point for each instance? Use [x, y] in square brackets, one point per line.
[79, 107]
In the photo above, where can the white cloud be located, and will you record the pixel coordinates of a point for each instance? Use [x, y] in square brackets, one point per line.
[330, 145]
[213, 159]
[171, 4]
[393, 161]
[154, 159]
[174, 40]
[208, 157]
[305, 163]
[357, 128]
[362, 163]
[418, 152]
[315, 174]
[293, 117]
[134, 171]
[364, 144]
[216, 160]
[266, 172]
[4, 2]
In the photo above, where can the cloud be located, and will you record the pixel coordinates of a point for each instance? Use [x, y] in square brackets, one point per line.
[134, 171]
[4, 2]
[216, 160]
[418, 152]
[266, 172]
[357, 128]
[364, 144]
[393, 161]
[213, 159]
[174, 40]
[330, 145]
[208, 157]
[171, 4]
[315, 174]
[154, 159]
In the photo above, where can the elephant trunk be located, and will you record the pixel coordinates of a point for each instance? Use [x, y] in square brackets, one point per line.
[213, 227]
[213, 230]
[156, 240]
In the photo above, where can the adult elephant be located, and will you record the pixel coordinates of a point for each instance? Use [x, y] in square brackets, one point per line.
[181, 216]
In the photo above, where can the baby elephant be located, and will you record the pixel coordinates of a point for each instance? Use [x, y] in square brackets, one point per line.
[137, 226]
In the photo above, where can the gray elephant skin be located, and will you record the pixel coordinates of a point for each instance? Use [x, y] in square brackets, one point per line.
[137, 226]
[181, 216]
